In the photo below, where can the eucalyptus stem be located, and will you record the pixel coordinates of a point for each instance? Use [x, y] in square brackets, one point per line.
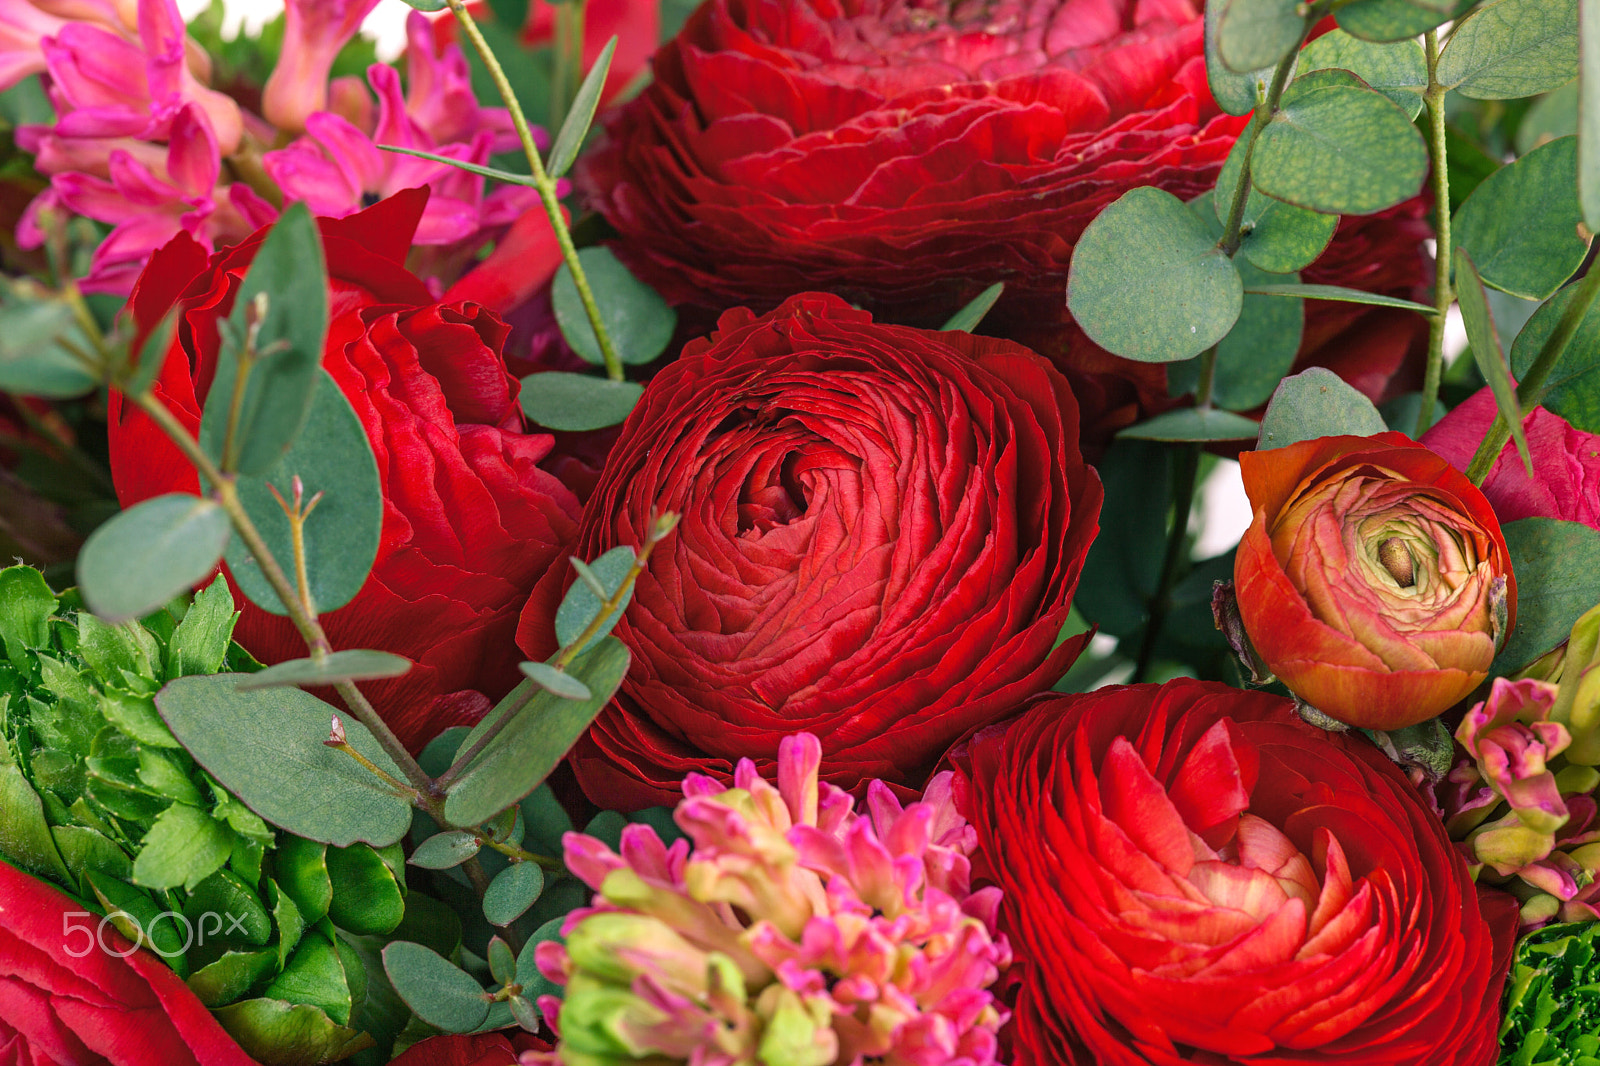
[1208, 378]
[546, 186]
[226, 492]
[568, 75]
[1530, 390]
[1443, 291]
[1231, 235]
[1186, 464]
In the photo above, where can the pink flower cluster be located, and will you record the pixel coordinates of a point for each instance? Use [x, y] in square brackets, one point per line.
[796, 927]
[142, 143]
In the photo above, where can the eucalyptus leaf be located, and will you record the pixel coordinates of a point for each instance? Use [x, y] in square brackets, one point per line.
[1558, 578]
[1521, 224]
[266, 747]
[1394, 20]
[581, 605]
[967, 319]
[1235, 93]
[1274, 236]
[444, 850]
[440, 993]
[33, 358]
[574, 403]
[639, 322]
[460, 164]
[1589, 113]
[1339, 294]
[427, 5]
[1194, 424]
[150, 553]
[1398, 69]
[1252, 34]
[1147, 282]
[1337, 146]
[1506, 49]
[277, 399]
[356, 664]
[556, 682]
[1573, 388]
[1316, 403]
[512, 892]
[575, 127]
[1486, 350]
[1555, 114]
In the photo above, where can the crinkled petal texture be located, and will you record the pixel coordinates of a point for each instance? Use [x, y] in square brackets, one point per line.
[882, 528]
[66, 1000]
[885, 147]
[470, 520]
[1368, 576]
[1193, 875]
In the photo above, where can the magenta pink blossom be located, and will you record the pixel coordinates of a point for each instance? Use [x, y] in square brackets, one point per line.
[313, 33]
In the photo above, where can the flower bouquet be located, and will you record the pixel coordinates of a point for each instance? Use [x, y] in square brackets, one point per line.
[634, 532]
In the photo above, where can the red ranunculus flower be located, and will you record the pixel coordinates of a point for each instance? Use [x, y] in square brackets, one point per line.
[470, 520]
[1194, 875]
[1368, 578]
[1566, 462]
[479, 1049]
[66, 1002]
[882, 528]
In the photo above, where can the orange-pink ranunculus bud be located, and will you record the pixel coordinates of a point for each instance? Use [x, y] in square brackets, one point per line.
[1371, 577]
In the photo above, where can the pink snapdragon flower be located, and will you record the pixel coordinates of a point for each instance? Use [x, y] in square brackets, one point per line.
[313, 33]
[796, 930]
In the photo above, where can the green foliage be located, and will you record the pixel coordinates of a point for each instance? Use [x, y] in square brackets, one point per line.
[1121, 572]
[513, 891]
[967, 319]
[1511, 48]
[150, 553]
[1398, 69]
[1252, 34]
[1274, 236]
[1148, 282]
[1572, 390]
[1193, 424]
[570, 402]
[356, 664]
[1589, 114]
[1395, 20]
[638, 320]
[331, 455]
[1316, 403]
[1521, 225]
[1486, 349]
[575, 127]
[1336, 145]
[440, 993]
[597, 582]
[1557, 565]
[1235, 93]
[39, 342]
[444, 850]
[1552, 1007]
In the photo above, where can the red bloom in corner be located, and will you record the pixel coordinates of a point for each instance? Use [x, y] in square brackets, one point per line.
[470, 521]
[882, 528]
[1192, 874]
[65, 1001]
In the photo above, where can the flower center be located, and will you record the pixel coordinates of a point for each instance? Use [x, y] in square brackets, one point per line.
[1396, 558]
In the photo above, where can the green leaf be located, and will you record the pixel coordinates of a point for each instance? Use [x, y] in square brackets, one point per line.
[332, 455]
[535, 984]
[224, 905]
[1193, 423]
[966, 320]
[1393, 20]
[1555, 114]
[137, 917]
[575, 127]
[182, 849]
[26, 604]
[1337, 293]
[1507, 49]
[1558, 578]
[547, 820]
[278, 394]
[1522, 223]
[1316, 403]
[639, 321]
[153, 353]
[1335, 145]
[272, 1031]
[1274, 236]
[445, 850]
[33, 361]
[1398, 70]
[24, 835]
[286, 915]
[580, 605]
[1572, 390]
[315, 975]
[1252, 34]
[368, 893]
[461, 164]
[1259, 350]
[1235, 93]
[84, 849]
[1485, 341]
[427, 5]
[200, 643]
[149, 553]
[267, 749]
[1147, 281]
[441, 994]
[1589, 114]
[356, 664]
[568, 402]
[512, 892]
[556, 682]
[231, 976]
[502, 961]
[538, 737]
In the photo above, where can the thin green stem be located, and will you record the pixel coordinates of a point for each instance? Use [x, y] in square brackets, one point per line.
[1530, 390]
[546, 186]
[1208, 377]
[1231, 235]
[1186, 465]
[1443, 292]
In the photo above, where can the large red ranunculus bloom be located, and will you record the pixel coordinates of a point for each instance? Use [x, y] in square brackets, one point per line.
[882, 528]
[66, 1002]
[1194, 875]
[470, 520]
[1368, 578]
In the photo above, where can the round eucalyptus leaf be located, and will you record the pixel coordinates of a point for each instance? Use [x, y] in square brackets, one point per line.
[1316, 403]
[1274, 236]
[1194, 424]
[1397, 69]
[568, 402]
[1252, 34]
[440, 993]
[1573, 388]
[512, 892]
[1521, 224]
[1394, 20]
[1235, 93]
[150, 553]
[1508, 49]
[638, 320]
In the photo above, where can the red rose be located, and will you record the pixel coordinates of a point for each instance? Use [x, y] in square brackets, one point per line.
[902, 155]
[1368, 577]
[882, 530]
[1194, 875]
[470, 521]
[1566, 462]
[66, 1002]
